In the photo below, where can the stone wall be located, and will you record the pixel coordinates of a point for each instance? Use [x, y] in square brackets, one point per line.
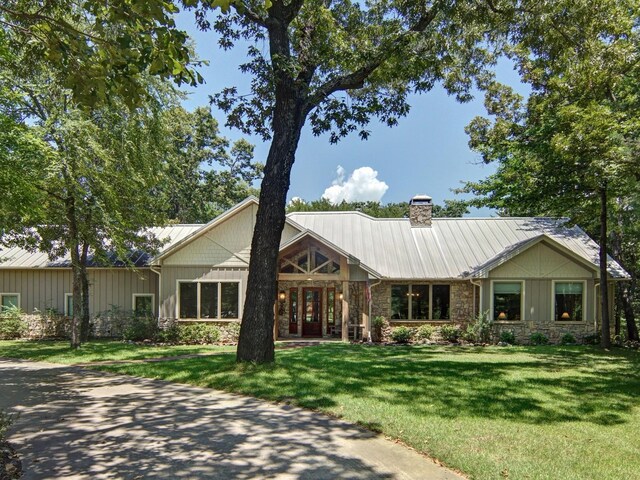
[551, 329]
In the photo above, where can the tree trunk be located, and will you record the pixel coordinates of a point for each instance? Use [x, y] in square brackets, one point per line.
[627, 292]
[605, 340]
[256, 332]
[74, 251]
[84, 322]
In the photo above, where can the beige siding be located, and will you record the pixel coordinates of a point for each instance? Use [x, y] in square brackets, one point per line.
[226, 245]
[288, 232]
[541, 261]
[171, 275]
[45, 289]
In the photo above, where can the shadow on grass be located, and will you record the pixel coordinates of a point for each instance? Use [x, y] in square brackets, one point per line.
[534, 385]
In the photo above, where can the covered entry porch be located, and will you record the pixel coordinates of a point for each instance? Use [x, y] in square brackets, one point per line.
[317, 296]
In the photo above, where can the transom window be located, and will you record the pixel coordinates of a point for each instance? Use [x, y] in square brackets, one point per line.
[9, 300]
[420, 302]
[209, 300]
[507, 301]
[569, 301]
[308, 261]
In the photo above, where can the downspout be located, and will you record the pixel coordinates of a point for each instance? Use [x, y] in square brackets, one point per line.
[479, 285]
[596, 283]
[370, 306]
[159, 273]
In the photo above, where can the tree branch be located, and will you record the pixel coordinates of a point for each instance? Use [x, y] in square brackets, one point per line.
[246, 12]
[357, 78]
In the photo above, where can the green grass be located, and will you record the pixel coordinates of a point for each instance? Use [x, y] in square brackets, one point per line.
[97, 350]
[518, 413]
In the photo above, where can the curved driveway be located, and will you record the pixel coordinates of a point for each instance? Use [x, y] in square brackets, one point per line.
[82, 424]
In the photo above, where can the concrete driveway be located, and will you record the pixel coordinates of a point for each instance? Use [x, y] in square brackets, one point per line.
[81, 424]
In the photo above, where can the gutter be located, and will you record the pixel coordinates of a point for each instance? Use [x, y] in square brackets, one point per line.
[159, 273]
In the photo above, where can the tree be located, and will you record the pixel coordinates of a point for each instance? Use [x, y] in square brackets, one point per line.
[338, 65]
[204, 176]
[451, 208]
[89, 196]
[571, 149]
[101, 49]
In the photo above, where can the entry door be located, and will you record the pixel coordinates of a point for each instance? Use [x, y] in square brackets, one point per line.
[312, 312]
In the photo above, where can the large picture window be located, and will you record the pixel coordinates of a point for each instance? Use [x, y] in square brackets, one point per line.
[507, 301]
[209, 300]
[569, 301]
[420, 302]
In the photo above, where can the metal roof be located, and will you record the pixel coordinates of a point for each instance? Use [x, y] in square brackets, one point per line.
[16, 257]
[451, 248]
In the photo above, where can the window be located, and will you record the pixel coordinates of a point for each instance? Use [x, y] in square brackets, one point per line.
[9, 300]
[420, 302]
[507, 301]
[143, 304]
[331, 306]
[569, 301]
[209, 300]
[440, 298]
[68, 304]
[293, 304]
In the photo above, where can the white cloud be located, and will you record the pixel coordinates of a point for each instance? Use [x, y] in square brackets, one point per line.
[362, 186]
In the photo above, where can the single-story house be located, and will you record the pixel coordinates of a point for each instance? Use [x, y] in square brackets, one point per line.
[338, 270]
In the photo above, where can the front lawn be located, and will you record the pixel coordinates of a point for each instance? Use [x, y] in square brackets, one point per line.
[97, 350]
[518, 412]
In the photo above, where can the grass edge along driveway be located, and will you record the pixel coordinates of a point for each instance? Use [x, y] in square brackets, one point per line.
[517, 412]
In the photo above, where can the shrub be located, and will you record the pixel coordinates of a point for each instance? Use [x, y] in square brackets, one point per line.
[567, 339]
[592, 339]
[450, 333]
[198, 333]
[140, 328]
[169, 334]
[507, 336]
[230, 333]
[377, 325]
[480, 330]
[12, 325]
[538, 338]
[401, 334]
[425, 332]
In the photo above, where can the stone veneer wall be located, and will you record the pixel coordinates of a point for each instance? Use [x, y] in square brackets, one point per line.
[552, 329]
[420, 214]
[460, 308]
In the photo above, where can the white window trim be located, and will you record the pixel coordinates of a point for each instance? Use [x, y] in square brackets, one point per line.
[584, 301]
[522, 301]
[67, 313]
[153, 301]
[198, 282]
[9, 294]
[410, 309]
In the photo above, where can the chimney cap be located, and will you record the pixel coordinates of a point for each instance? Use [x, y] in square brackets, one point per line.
[420, 199]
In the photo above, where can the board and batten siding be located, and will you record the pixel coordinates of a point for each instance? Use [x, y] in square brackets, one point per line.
[171, 275]
[42, 289]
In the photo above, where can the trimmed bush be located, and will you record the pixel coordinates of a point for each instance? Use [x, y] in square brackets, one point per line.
[592, 339]
[12, 325]
[507, 336]
[198, 333]
[401, 334]
[568, 339]
[425, 332]
[450, 333]
[140, 328]
[480, 330]
[538, 338]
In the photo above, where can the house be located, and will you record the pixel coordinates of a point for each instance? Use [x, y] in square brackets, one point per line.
[338, 270]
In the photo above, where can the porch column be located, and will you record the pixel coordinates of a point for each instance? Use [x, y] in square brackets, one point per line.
[345, 311]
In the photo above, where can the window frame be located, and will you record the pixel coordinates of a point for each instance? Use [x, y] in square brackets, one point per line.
[67, 313]
[10, 294]
[153, 302]
[410, 306]
[584, 301]
[198, 318]
[522, 300]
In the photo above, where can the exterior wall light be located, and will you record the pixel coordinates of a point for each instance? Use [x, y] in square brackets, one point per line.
[281, 298]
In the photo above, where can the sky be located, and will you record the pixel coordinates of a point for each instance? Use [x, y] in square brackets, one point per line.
[427, 153]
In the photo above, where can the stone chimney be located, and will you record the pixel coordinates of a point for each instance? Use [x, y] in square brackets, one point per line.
[420, 210]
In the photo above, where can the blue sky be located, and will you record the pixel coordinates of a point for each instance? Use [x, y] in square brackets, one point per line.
[426, 153]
